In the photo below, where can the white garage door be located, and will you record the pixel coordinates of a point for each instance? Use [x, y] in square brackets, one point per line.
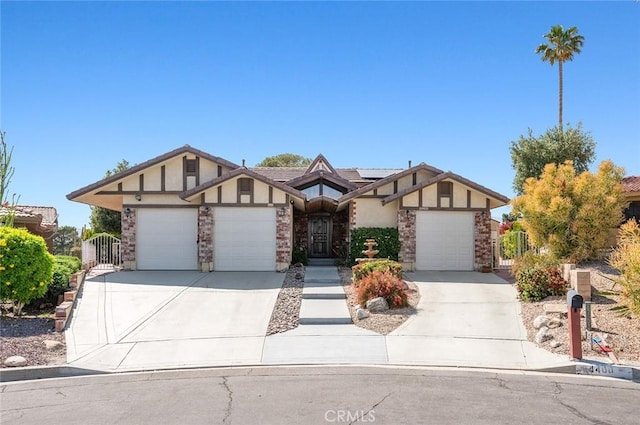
[166, 239]
[444, 240]
[244, 239]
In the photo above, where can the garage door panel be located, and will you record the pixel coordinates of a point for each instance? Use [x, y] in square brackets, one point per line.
[444, 240]
[166, 239]
[245, 239]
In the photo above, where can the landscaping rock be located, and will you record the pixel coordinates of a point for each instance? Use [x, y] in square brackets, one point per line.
[554, 322]
[15, 361]
[361, 314]
[555, 344]
[543, 335]
[377, 304]
[540, 321]
[53, 345]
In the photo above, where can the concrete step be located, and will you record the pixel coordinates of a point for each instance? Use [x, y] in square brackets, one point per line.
[322, 288]
[315, 274]
[324, 311]
[325, 321]
[321, 262]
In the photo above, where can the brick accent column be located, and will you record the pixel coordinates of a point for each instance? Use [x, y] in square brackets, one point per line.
[128, 238]
[283, 237]
[482, 239]
[205, 238]
[407, 235]
[352, 215]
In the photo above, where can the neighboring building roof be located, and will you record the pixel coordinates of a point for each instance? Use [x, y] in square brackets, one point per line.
[284, 174]
[377, 173]
[45, 217]
[631, 184]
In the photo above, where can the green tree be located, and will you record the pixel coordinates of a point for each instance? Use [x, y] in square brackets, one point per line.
[529, 155]
[26, 266]
[285, 160]
[561, 48]
[65, 238]
[103, 220]
[571, 214]
[6, 173]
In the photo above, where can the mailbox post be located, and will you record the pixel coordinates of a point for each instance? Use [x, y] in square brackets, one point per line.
[574, 304]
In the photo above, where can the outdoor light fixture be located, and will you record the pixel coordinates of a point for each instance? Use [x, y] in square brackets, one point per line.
[127, 211]
[407, 213]
[138, 197]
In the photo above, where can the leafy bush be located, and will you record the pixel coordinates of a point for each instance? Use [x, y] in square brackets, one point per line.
[299, 255]
[63, 267]
[27, 267]
[386, 237]
[365, 269]
[537, 283]
[530, 260]
[514, 241]
[383, 284]
[626, 258]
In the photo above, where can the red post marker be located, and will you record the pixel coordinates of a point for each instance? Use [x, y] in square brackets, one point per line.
[574, 304]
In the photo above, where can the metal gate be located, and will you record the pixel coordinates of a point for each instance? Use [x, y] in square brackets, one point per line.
[508, 247]
[102, 251]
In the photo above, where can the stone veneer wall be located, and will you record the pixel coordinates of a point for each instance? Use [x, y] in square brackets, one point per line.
[482, 238]
[300, 230]
[128, 239]
[205, 238]
[407, 235]
[283, 237]
[339, 231]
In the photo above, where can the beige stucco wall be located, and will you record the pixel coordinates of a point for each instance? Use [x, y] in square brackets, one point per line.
[405, 182]
[459, 195]
[386, 190]
[430, 196]
[411, 200]
[230, 193]
[371, 213]
[478, 200]
[173, 174]
[147, 199]
[153, 179]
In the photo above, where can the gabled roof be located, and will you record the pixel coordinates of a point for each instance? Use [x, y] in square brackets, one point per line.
[139, 167]
[379, 183]
[238, 172]
[631, 184]
[444, 176]
[321, 175]
[320, 163]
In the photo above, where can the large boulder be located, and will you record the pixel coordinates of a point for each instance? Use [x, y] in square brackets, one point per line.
[540, 321]
[543, 335]
[52, 345]
[15, 361]
[362, 314]
[554, 322]
[377, 304]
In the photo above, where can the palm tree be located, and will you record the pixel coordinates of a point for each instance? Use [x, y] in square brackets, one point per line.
[562, 45]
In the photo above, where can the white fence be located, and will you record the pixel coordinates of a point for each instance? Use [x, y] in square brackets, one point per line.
[506, 248]
[101, 251]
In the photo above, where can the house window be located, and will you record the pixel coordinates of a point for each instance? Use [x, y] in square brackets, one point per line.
[190, 173]
[632, 211]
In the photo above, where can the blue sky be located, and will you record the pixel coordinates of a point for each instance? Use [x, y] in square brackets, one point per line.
[367, 84]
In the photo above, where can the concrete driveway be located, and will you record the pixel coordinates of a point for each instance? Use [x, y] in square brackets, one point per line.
[466, 319]
[164, 319]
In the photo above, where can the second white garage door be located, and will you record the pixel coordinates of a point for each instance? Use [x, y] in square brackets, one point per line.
[166, 239]
[244, 239]
[444, 240]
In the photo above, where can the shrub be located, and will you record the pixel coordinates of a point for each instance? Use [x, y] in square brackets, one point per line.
[386, 237]
[626, 258]
[27, 267]
[537, 283]
[63, 267]
[383, 284]
[514, 241]
[364, 269]
[531, 260]
[299, 255]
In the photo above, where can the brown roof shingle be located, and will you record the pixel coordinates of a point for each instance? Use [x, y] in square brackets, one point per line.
[631, 184]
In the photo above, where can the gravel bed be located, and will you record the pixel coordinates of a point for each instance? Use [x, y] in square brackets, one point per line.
[382, 322]
[25, 337]
[622, 332]
[286, 312]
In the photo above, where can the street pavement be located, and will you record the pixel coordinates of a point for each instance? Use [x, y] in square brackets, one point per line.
[131, 321]
[322, 395]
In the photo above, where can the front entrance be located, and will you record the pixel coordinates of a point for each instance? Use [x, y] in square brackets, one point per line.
[319, 236]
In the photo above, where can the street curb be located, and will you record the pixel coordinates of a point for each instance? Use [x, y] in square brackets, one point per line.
[44, 372]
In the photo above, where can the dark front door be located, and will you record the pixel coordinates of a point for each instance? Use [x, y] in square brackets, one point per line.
[320, 236]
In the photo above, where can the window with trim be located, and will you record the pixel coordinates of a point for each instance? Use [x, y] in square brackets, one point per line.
[191, 167]
[445, 194]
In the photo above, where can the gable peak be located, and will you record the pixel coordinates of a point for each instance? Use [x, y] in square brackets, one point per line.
[320, 163]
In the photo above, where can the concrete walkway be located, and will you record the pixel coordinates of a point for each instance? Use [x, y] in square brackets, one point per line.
[326, 333]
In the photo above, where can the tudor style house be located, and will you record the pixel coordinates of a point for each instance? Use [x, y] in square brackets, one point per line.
[189, 210]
